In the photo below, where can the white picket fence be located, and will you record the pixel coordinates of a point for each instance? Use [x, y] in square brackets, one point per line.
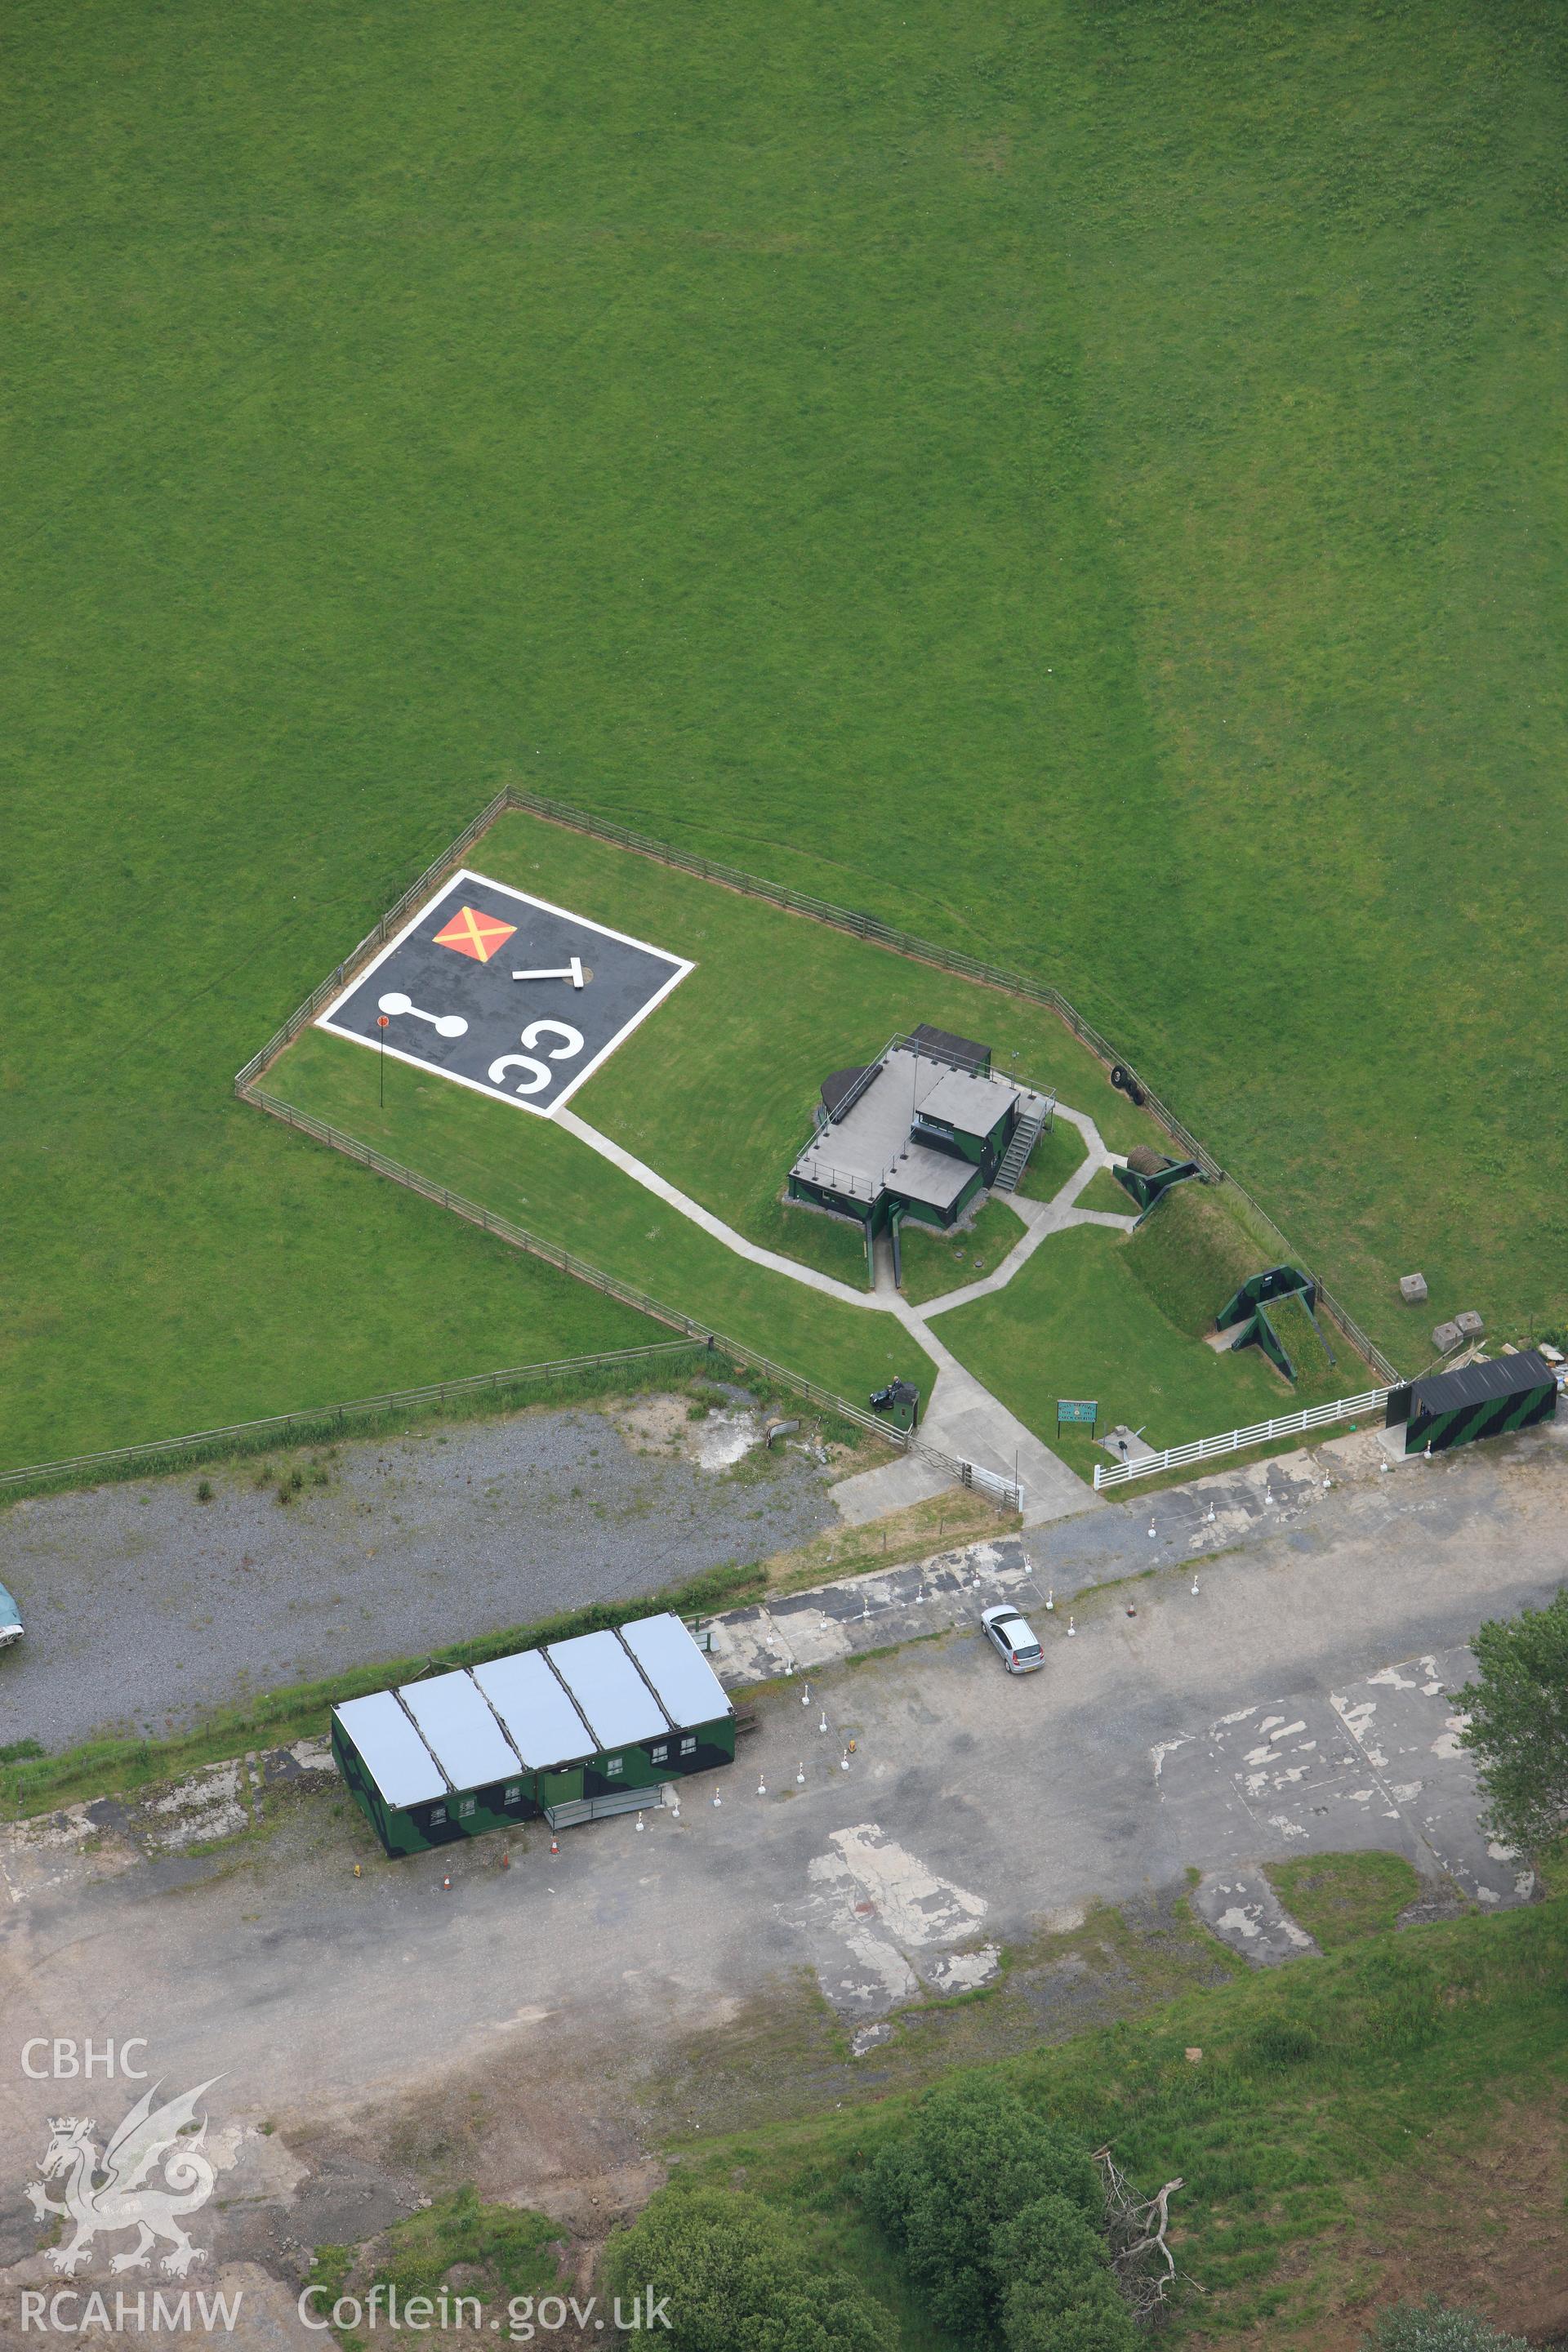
[1234, 1440]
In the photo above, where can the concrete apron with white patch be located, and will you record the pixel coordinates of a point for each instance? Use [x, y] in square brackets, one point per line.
[1330, 1774]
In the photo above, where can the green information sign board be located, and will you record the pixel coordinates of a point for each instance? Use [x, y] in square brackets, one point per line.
[1069, 1409]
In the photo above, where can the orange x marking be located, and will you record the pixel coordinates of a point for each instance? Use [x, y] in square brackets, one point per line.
[473, 934]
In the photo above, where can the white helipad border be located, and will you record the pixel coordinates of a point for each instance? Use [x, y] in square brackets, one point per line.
[454, 1077]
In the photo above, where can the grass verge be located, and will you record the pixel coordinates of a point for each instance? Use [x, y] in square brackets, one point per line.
[503, 2250]
[961, 1516]
[543, 1388]
[1341, 1897]
[1310, 2113]
[1075, 1321]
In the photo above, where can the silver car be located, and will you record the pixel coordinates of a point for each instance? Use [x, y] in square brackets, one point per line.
[1013, 1639]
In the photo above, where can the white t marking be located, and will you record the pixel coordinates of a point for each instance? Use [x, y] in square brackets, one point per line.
[572, 971]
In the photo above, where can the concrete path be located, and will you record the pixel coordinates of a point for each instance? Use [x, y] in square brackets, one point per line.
[685, 1206]
[1241, 1908]
[961, 1417]
[1044, 1218]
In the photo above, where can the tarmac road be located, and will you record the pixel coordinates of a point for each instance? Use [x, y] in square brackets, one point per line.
[976, 1807]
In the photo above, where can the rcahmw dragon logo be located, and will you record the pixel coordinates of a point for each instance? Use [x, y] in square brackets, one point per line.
[118, 2191]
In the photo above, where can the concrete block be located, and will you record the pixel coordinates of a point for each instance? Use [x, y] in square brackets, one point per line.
[1447, 1338]
[1412, 1288]
[1469, 1323]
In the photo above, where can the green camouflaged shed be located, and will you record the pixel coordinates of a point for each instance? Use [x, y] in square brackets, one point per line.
[596, 1724]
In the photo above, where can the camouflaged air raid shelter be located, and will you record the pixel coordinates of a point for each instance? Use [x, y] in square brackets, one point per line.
[592, 1725]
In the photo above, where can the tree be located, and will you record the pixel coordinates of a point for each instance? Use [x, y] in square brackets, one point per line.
[974, 2157]
[1430, 2327]
[1518, 1730]
[735, 2279]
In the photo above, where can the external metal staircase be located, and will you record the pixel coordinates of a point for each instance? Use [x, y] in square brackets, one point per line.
[1025, 1135]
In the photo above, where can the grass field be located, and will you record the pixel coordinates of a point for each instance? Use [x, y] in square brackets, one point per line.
[533, 1172]
[1081, 484]
[717, 1089]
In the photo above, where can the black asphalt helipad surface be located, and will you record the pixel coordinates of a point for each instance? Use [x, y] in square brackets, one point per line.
[504, 993]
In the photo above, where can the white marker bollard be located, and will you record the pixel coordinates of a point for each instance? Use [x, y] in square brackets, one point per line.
[1072, 1629]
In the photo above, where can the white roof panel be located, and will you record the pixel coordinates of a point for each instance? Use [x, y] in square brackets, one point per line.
[612, 1697]
[544, 1725]
[971, 1104]
[691, 1690]
[459, 1730]
[391, 1749]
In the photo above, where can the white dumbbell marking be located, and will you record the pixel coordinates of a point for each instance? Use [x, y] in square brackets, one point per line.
[444, 1024]
[572, 971]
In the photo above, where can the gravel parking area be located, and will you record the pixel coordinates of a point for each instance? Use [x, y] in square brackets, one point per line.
[143, 1606]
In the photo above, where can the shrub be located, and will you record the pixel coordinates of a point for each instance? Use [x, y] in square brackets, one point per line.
[1057, 2292]
[736, 2280]
[1430, 2327]
[974, 2158]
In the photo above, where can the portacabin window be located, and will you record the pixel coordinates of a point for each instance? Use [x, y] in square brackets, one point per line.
[614, 1765]
[658, 1751]
[688, 1747]
[465, 1807]
[438, 1815]
[513, 1794]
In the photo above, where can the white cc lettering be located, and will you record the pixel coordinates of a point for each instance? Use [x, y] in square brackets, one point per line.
[539, 1077]
[570, 1039]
